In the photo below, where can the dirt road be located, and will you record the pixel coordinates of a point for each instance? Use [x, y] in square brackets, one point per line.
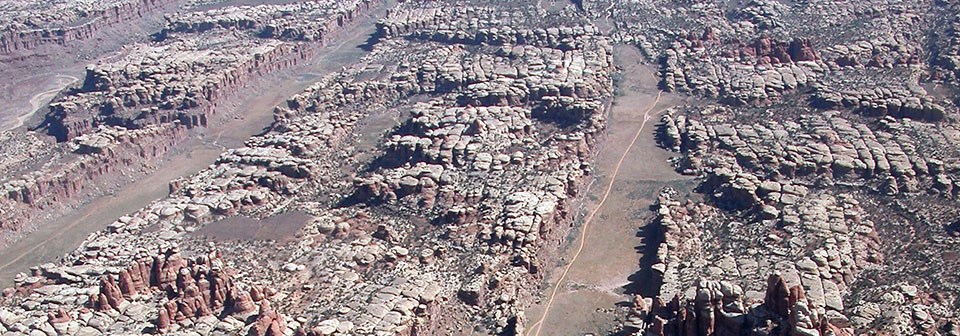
[630, 170]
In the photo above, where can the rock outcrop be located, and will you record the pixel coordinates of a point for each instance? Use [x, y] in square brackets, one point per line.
[429, 186]
[129, 112]
[189, 72]
[100, 157]
[30, 25]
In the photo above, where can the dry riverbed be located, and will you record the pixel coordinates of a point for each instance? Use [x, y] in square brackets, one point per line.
[599, 278]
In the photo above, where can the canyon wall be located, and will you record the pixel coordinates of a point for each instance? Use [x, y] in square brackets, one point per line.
[93, 22]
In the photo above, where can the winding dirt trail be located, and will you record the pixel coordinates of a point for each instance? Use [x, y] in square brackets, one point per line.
[599, 272]
[38, 100]
[586, 224]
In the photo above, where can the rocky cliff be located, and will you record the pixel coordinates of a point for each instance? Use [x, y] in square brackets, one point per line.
[71, 23]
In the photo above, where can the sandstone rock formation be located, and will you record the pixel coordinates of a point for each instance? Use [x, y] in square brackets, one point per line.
[30, 24]
[429, 186]
[489, 123]
[129, 112]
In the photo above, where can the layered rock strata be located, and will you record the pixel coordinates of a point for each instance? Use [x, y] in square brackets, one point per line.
[30, 24]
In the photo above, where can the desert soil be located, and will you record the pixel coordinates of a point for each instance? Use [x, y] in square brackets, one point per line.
[253, 116]
[601, 275]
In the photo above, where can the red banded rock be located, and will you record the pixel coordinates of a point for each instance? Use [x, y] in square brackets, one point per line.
[747, 46]
[243, 302]
[110, 296]
[116, 93]
[767, 69]
[182, 78]
[554, 161]
[839, 244]
[268, 322]
[33, 24]
[829, 146]
[63, 181]
[136, 279]
[720, 308]
[189, 289]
